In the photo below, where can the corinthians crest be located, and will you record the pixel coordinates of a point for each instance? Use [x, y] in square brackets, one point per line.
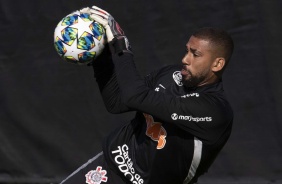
[177, 78]
[96, 176]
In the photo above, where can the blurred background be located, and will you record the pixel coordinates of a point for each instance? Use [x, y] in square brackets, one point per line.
[52, 118]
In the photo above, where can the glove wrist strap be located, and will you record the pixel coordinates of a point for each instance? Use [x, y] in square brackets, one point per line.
[120, 45]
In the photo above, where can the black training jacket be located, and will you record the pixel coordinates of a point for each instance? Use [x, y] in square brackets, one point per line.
[177, 131]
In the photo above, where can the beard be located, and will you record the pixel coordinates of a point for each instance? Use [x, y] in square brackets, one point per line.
[190, 80]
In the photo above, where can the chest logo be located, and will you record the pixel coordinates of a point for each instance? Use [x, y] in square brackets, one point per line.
[155, 131]
[177, 77]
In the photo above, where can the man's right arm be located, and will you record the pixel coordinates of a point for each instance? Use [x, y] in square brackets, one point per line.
[104, 73]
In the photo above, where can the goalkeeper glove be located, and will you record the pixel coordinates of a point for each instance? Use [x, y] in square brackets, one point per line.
[117, 40]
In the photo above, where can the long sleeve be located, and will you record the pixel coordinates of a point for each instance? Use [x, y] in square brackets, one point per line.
[206, 116]
[104, 73]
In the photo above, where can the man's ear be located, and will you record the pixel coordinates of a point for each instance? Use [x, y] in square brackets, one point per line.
[218, 64]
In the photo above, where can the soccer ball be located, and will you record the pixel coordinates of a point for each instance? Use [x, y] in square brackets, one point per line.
[79, 39]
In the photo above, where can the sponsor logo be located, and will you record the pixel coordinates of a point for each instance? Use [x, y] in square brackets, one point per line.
[125, 164]
[175, 116]
[155, 131]
[158, 88]
[191, 95]
[96, 176]
[177, 78]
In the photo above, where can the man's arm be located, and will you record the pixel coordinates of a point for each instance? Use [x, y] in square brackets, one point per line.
[205, 116]
[104, 73]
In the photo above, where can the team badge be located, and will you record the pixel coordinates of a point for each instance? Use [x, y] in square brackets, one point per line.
[96, 176]
[177, 78]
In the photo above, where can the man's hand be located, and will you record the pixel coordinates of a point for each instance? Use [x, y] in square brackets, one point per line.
[117, 40]
[101, 16]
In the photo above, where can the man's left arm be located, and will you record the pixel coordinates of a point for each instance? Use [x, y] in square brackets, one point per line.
[204, 117]
[137, 96]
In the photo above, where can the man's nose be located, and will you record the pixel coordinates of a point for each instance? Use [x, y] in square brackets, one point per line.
[186, 60]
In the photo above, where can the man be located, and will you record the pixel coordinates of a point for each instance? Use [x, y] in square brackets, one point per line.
[183, 119]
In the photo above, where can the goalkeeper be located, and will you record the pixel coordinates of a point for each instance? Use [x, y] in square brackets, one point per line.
[183, 118]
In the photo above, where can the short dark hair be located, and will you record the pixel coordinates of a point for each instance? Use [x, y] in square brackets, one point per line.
[218, 38]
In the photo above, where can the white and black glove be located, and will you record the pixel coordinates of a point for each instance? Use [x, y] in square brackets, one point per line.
[117, 40]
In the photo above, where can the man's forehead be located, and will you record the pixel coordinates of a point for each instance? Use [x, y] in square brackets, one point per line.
[198, 43]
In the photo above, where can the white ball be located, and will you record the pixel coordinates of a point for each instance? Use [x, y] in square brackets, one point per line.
[79, 39]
